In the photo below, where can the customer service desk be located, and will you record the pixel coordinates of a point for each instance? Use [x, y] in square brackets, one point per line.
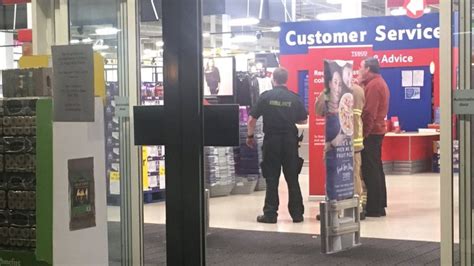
[408, 152]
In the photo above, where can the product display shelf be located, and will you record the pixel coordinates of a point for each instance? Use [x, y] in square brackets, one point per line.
[40, 229]
[153, 166]
[24, 185]
[153, 171]
[219, 170]
[112, 145]
[154, 195]
[437, 156]
[247, 160]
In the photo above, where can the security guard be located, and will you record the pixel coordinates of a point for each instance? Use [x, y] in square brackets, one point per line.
[281, 110]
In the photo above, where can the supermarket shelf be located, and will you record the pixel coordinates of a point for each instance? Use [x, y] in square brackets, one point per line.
[154, 195]
[151, 98]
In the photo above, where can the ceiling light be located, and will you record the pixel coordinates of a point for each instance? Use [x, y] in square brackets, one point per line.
[234, 47]
[329, 16]
[276, 29]
[244, 38]
[334, 2]
[398, 12]
[244, 21]
[87, 40]
[160, 43]
[206, 34]
[74, 41]
[107, 31]
[99, 47]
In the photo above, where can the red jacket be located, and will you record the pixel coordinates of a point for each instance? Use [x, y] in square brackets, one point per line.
[377, 98]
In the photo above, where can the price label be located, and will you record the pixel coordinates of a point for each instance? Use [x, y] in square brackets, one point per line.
[114, 176]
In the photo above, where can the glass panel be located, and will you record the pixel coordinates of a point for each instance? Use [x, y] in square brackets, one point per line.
[413, 208]
[96, 22]
[455, 128]
[153, 157]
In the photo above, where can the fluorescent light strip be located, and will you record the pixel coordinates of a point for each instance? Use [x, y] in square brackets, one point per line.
[244, 21]
[330, 16]
[244, 38]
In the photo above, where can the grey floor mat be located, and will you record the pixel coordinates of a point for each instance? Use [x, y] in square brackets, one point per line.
[242, 247]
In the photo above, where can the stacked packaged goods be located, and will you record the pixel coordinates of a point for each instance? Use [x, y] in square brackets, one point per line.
[18, 174]
[247, 163]
[219, 170]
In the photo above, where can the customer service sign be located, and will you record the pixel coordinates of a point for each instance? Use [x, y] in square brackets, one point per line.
[381, 33]
[397, 41]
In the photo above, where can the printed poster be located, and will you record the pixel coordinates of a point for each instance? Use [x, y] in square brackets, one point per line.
[73, 95]
[82, 194]
[413, 93]
[339, 129]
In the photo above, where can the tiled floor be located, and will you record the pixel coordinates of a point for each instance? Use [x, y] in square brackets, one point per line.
[413, 212]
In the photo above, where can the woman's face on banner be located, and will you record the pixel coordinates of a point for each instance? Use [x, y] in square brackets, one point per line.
[336, 83]
[347, 76]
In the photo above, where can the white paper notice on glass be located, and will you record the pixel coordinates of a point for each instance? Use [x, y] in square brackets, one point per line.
[418, 78]
[407, 78]
[73, 96]
[412, 93]
[162, 182]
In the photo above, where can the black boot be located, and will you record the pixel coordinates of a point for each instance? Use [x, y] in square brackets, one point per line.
[266, 220]
[299, 219]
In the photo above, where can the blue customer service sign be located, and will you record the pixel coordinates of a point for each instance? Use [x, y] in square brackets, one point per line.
[382, 33]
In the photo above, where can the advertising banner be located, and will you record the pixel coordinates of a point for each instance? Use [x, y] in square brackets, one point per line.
[81, 193]
[339, 117]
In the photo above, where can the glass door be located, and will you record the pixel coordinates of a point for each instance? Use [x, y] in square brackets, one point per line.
[456, 140]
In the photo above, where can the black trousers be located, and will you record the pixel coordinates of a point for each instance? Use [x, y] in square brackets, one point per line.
[373, 175]
[282, 151]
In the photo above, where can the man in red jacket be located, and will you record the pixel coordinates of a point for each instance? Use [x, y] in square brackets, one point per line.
[375, 110]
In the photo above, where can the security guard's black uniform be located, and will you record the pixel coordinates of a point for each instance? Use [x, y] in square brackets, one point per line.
[281, 110]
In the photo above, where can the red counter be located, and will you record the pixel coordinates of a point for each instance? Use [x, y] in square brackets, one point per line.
[408, 153]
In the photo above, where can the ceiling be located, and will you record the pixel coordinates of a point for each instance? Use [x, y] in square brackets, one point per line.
[151, 32]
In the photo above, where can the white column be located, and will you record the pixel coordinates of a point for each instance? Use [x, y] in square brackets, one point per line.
[6, 53]
[351, 9]
[213, 28]
[226, 38]
[293, 10]
[131, 183]
[61, 22]
[43, 26]
[29, 15]
[50, 24]
[446, 180]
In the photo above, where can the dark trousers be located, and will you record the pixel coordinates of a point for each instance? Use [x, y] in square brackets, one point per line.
[282, 151]
[373, 175]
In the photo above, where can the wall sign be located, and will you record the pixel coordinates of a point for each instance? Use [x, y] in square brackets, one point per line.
[13, 2]
[73, 96]
[122, 107]
[381, 33]
[463, 102]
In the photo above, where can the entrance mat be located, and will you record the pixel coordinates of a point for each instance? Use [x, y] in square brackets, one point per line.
[244, 247]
